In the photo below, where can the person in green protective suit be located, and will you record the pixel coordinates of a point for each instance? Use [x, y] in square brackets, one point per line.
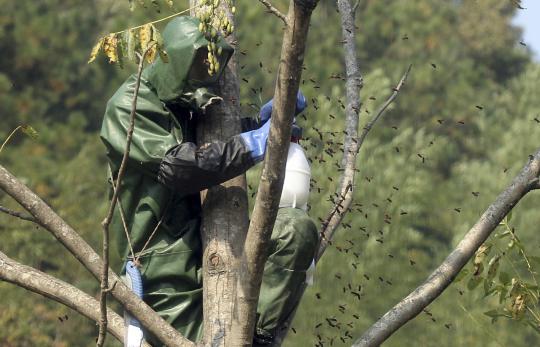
[159, 205]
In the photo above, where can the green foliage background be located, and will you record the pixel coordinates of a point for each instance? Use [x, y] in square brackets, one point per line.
[469, 109]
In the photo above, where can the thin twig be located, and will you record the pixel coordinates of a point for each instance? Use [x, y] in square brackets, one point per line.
[20, 215]
[381, 110]
[274, 10]
[159, 20]
[9, 137]
[341, 207]
[122, 216]
[355, 7]
[107, 221]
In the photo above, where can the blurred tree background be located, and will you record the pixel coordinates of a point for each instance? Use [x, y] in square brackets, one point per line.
[459, 131]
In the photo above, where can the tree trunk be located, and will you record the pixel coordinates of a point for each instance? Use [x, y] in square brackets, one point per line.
[225, 212]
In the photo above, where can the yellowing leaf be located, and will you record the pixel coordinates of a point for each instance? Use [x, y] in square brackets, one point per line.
[151, 54]
[145, 36]
[109, 48]
[95, 50]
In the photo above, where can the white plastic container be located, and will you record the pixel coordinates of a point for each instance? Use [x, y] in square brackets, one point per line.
[295, 191]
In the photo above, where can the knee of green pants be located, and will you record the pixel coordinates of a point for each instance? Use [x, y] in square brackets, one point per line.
[172, 286]
[294, 239]
[292, 247]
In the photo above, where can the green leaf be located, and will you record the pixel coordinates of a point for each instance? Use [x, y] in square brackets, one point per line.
[131, 44]
[534, 260]
[494, 314]
[505, 278]
[474, 282]
[534, 325]
[493, 266]
[502, 294]
[29, 131]
[461, 275]
[504, 234]
[487, 287]
[509, 216]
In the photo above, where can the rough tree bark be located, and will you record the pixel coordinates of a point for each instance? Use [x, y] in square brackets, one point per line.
[60, 291]
[75, 244]
[273, 172]
[233, 269]
[441, 278]
[225, 211]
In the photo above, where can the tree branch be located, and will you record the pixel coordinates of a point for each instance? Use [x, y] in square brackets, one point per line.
[274, 11]
[116, 193]
[60, 291]
[351, 144]
[384, 106]
[89, 259]
[345, 198]
[353, 85]
[441, 278]
[273, 172]
[534, 184]
[18, 215]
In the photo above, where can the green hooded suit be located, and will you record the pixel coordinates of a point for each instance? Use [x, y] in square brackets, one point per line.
[159, 198]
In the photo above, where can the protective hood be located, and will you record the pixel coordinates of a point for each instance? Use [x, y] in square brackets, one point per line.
[184, 78]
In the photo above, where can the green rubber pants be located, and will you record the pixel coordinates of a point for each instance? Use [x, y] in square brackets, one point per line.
[172, 277]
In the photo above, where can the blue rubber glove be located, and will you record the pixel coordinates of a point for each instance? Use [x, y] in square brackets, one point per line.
[255, 141]
[266, 110]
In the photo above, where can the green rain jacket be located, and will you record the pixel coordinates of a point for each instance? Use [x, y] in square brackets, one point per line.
[160, 191]
[166, 171]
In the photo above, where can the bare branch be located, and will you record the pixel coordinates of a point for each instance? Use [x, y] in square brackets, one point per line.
[273, 172]
[60, 291]
[354, 84]
[355, 7]
[105, 224]
[345, 199]
[384, 106]
[441, 278]
[274, 10]
[90, 259]
[19, 215]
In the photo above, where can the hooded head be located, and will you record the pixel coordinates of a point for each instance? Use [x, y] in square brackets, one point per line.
[184, 78]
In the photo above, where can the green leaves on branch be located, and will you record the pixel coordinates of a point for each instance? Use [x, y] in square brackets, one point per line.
[518, 298]
[214, 18]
